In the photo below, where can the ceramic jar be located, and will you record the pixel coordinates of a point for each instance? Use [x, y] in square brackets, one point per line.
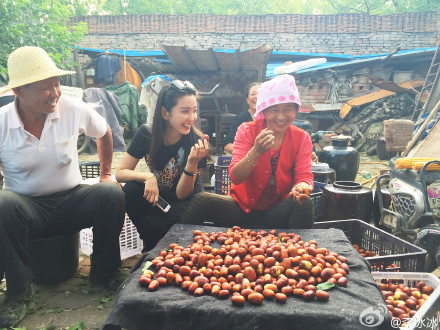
[303, 124]
[323, 173]
[342, 158]
[346, 200]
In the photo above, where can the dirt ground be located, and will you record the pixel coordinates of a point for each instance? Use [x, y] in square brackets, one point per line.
[76, 304]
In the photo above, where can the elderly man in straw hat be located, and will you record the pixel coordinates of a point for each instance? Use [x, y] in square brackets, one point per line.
[42, 195]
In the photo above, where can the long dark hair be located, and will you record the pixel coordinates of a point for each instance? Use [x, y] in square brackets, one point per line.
[168, 98]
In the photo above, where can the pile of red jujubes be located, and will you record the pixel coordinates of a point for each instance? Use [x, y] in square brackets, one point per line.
[403, 301]
[364, 253]
[250, 265]
[374, 267]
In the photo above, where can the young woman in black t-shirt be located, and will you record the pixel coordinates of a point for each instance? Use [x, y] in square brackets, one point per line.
[174, 150]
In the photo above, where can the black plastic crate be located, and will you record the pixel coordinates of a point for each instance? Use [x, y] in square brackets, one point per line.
[318, 186]
[316, 197]
[391, 249]
[222, 180]
[89, 169]
[223, 183]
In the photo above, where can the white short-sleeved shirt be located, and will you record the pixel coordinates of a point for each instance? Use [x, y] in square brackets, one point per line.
[38, 167]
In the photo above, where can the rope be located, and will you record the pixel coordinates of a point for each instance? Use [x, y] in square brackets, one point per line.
[370, 179]
[380, 163]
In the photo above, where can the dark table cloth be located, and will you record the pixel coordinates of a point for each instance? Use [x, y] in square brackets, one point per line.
[174, 308]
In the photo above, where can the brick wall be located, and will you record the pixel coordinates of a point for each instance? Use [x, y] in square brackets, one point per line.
[353, 34]
[344, 33]
[349, 43]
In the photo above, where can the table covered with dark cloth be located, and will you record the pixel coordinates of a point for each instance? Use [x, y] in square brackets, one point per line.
[174, 308]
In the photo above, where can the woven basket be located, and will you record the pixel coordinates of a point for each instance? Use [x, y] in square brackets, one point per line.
[397, 132]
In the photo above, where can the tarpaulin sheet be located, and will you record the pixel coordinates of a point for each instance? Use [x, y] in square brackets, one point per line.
[174, 308]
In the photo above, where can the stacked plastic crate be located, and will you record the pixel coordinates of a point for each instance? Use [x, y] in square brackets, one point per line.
[129, 240]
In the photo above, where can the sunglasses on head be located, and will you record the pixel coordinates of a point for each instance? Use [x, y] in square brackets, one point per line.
[179, 84]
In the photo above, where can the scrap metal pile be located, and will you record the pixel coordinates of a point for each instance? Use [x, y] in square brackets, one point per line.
[366, 123]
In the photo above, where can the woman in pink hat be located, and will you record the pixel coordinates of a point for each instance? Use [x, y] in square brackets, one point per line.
[270, 168]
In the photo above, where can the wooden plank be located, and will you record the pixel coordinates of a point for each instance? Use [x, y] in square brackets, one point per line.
[371, 97]
[412, 84]
[389, 85]
[368, 98]
[325, 106]
[344, 110]
[429, 146]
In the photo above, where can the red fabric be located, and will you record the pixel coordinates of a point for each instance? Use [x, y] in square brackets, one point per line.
[268, 196]
[294, 165]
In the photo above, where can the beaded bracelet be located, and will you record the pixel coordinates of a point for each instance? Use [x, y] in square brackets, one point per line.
[249, 160]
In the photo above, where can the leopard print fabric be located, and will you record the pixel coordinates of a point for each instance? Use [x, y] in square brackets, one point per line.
[172, 169]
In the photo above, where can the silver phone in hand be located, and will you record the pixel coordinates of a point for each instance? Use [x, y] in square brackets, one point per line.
[163, 205]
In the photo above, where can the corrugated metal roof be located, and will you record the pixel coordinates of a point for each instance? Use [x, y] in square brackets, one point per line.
[338, 60]
[183, 59]
[276, 54]
[130, 53]
[190, 60]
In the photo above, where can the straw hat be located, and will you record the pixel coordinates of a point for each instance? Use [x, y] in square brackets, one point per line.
[30, 64]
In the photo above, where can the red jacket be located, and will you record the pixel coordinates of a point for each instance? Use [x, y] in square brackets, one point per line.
[294, 164]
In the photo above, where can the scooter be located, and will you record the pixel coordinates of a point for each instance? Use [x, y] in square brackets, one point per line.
[415, 207]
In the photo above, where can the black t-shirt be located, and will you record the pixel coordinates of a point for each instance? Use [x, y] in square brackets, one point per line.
[171, 160]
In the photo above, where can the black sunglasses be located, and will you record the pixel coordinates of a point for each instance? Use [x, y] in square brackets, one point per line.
[181, 85]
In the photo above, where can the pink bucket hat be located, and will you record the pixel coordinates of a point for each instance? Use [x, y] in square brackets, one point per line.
[281, 89]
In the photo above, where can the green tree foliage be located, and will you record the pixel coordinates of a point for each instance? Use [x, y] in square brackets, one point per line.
[381, 6]
[213, 7]
[40, 23]
[251, 7]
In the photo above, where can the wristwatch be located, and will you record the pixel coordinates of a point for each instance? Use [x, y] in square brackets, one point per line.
[189, 173]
